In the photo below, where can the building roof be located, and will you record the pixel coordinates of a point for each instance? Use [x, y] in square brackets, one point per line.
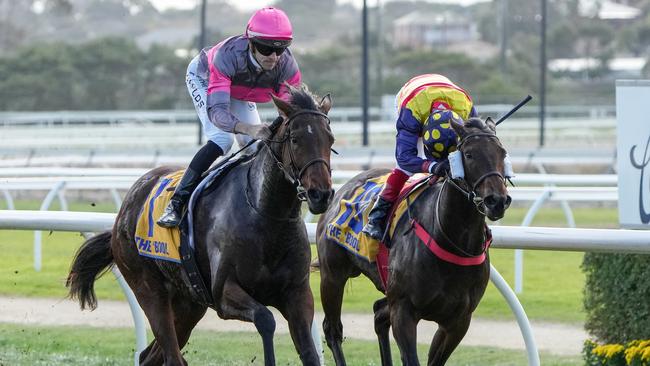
[607, 9]
[619, 64]
[429, 18]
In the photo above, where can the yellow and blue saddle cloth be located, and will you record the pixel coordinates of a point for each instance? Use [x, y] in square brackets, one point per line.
[345, 228]
[151, 239]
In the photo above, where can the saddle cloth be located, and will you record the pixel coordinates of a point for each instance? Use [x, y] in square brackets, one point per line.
[345, 229]
[151, 239]
[158, 242]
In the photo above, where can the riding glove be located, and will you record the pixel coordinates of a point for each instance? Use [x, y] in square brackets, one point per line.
[441, 168]
[257, 132]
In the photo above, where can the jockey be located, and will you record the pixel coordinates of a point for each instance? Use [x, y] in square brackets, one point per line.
[425, 105]
[225, 81]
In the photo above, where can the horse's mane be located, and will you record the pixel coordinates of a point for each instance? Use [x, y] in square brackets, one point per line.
[302, 98]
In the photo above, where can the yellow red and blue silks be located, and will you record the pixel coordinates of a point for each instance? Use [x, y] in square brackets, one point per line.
[427, 103]
[151, 239]
[345, 228]
[427, 92]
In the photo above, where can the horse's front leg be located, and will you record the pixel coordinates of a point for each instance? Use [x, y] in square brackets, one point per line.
[235, 303]
[298, 309]
[447, 339]
[404, 323]
[382, 326]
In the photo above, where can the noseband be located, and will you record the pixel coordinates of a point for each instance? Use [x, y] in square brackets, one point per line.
[471, 193]
[294, 174]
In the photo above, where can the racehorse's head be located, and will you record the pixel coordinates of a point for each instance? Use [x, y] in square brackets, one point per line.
[306, 140]
[483, 159]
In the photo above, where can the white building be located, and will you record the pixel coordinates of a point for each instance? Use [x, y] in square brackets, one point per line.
[430, 30]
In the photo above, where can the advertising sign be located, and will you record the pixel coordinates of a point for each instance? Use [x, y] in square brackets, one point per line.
[633, 153]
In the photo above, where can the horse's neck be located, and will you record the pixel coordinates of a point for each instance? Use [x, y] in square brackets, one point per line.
[269, 191]
[460, 222]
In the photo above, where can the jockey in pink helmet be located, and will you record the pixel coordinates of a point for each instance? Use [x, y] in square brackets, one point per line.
[269, 32]
[225, 81]
[271, 27]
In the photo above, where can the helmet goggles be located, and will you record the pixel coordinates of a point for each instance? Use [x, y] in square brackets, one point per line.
[266, 46]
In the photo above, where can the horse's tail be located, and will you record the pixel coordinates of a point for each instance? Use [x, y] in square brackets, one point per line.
[91, 261]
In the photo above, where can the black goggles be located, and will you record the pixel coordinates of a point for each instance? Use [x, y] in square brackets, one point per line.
[268, 50]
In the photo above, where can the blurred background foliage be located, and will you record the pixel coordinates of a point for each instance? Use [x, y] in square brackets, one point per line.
[126, 54]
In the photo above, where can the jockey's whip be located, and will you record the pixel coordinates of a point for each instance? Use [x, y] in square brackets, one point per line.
[513, 110]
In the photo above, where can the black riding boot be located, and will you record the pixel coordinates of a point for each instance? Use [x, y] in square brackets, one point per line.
[377, 219]
[173, 213]
[171, 217]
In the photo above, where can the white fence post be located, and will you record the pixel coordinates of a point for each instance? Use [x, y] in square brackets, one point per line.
[520, 315]
[38, 234]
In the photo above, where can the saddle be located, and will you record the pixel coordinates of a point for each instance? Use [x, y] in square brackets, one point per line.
[345, 228]
[392, 220]
[177, 244]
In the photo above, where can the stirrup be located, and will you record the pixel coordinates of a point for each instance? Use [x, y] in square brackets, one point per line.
[373, 230]
[170, 217]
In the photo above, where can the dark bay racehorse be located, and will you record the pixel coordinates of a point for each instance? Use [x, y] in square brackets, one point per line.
[251, 244]
[421, 285]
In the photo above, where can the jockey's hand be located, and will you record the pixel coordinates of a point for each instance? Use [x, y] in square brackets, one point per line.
[440, 168]
[261, 132]
[257, 132]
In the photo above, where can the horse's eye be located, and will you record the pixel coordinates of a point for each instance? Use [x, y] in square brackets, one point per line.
[468, 155]
[294, 140]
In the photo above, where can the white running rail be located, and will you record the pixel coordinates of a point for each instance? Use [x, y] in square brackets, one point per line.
[617, 241]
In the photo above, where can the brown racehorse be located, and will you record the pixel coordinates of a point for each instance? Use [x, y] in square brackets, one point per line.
[251, 244]
[421, 285]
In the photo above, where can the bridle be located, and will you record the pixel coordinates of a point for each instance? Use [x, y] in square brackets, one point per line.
[294, 174]
[470, 192]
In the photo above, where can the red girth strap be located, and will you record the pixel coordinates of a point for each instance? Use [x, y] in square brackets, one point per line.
[446, 255]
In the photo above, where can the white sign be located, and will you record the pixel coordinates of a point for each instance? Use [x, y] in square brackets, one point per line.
[633, 152]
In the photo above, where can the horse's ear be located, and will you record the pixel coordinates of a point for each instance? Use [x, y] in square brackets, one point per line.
[458, 127]
[325, 104]
[284, 108]
[491, 125]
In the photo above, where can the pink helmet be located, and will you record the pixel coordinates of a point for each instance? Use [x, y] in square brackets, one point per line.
[271, 27]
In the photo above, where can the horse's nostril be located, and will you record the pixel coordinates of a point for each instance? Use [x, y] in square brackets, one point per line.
[317, 195]
[490, 200]
[314, 194]
[494, 201]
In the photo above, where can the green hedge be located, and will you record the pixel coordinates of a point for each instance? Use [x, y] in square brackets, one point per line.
[617, 296]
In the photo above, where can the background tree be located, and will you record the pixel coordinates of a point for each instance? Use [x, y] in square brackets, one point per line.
[594, 41]
[38, 78]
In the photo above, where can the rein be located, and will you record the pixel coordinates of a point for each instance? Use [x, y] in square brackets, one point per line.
[294, 175]
[442, 230]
